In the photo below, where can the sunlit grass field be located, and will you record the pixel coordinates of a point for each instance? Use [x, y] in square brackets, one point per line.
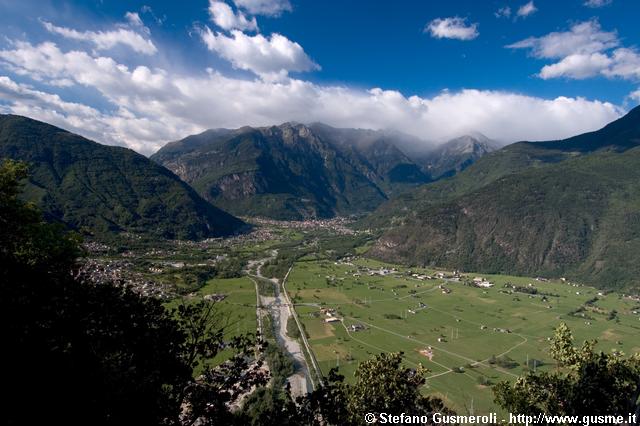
[467, 321]
[237, 311]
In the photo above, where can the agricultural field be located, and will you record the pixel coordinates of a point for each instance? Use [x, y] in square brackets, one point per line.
[468, 337]
[237, 310]
[239, 304]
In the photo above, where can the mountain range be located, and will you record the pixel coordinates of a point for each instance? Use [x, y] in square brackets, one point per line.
[295, 171]
[102, 189]
[291, 171]
[567, 207]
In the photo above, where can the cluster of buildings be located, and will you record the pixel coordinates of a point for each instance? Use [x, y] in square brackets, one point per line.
[337, 225]
[120, 272]
[455, 276]
[365, 271]
[482, 282]
[422, 277]
[382, 272]
[257, 235]
[161, 266]
[330, 315]
[95, 247]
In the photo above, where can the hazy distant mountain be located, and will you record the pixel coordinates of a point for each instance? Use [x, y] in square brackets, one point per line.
[103, 189]
[457, 154]
[293, 171]
[559, 207]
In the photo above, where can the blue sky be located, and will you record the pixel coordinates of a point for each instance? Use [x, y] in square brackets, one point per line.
[143, 73]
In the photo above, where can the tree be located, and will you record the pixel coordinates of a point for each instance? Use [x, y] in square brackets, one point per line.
[562, 349]
[585, 382]
[270, 406]
[382, 385]
[77, 352]
[25, 238]
[209, 399]
[327, 405]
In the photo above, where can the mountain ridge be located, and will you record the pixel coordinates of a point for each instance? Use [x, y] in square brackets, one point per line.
[292, 171]
[104, 189]
[555, 209]
[296, 171]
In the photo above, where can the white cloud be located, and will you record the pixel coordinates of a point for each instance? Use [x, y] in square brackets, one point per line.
[11, 90]
[264, 7]
[635, 95]
[583, 38]
[224, 17]
[455, 28]
[104, 40]
[46, 62]
[597, 3]
[625, 63]
[578, 66]
[527, 9]
[503, 12]
[134, 19]
[152, 106]
[82, 119]
[271, 58]
[584, 51]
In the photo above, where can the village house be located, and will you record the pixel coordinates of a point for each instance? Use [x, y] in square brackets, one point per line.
[328, 311]
[481, 282]
[428, 352]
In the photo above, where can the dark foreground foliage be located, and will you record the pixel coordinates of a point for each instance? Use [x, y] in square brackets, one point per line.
[99, 354]
[585, 382]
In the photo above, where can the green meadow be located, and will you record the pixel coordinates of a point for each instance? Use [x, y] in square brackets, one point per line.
[237, 310]
[476, 336]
